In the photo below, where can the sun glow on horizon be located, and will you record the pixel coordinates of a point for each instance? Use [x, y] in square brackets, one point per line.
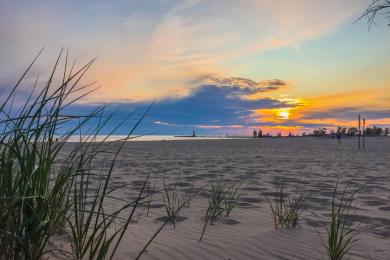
[283, 114]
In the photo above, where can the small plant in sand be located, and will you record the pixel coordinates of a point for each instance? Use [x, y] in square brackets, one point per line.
[286, 208]
[186, 197]
[223, 199]
[174, 200]
[340, 237]
[231, 198]
[149, 197]
[217, 197]
[179, 207]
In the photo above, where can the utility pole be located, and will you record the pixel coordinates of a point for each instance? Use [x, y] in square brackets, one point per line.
[359, 131]
[364, 126]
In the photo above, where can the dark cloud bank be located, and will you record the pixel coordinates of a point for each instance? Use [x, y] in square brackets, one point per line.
[218, 107]
[221, 103]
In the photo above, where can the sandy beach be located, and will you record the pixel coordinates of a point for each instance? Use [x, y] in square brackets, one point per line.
[308, 164]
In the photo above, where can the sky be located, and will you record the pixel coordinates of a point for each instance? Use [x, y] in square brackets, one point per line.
[221, 67]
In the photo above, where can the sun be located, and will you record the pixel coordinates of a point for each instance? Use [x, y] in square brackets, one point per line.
[283, 114]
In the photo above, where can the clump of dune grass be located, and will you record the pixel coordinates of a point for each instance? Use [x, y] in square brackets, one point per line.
[34, 199]
[179, 207]
[231, 198]
[340, 237]
[174, 200]
[286, 208]
[223, 198]
[42, 193]
[217, 197]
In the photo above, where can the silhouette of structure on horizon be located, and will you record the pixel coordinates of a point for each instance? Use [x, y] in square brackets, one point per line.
[364, 126]
[339, 135]
[359, 131]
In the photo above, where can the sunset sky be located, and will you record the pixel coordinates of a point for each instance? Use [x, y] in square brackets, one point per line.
[218, 67]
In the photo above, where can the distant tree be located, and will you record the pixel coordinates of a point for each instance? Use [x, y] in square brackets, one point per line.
[260, 133]
[352, 131]
[343, 131]
[375, 131]
[387, 131]
[290, 134]
[377, 7]
[368, 131]
[279, 134]
[303, 134]
[319, 132]
[254, 133]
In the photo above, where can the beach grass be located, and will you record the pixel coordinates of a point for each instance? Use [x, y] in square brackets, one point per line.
[183, 203]
[223, 199]
[286, 208]
[150, 191]
[41, 193]
[340, 236]
[34, 199]
[174, 200]
[217, 197]
[232, 196]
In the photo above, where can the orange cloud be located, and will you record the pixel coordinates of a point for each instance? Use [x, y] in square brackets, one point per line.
[291, 111]
[325, 110]
[367, 98]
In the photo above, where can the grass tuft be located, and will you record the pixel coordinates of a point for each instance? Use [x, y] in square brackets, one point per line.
[43, 193]
[223, 199]
[340, 237]
[150, 191]
[174, 200]
[232, 196]
[183, 203]
[286, 208]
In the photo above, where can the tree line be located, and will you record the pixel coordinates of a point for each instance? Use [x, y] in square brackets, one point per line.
[353, 131]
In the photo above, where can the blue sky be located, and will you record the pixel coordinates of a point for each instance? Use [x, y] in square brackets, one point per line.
[209, 65]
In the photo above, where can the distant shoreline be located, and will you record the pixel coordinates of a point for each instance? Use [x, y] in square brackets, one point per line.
[151, 138]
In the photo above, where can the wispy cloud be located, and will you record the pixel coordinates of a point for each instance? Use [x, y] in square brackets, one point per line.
[219, 126]
[260, 86]
[151, 49]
